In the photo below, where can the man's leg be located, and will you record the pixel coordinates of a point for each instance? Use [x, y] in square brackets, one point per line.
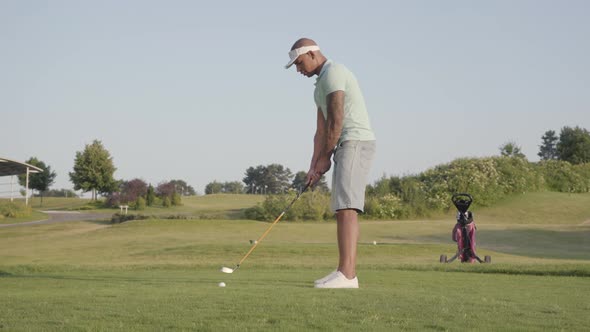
[348, 235]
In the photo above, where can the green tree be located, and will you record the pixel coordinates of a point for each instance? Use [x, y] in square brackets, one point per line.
[60, 193]
[140, 203]
[176, 199]
[510, 149]
[574, 145]
[213, 188]
[234, 187]
[150, 197]
[38, 181]
[548, 149]
[93, 170]
[182, 188]
[271, 179]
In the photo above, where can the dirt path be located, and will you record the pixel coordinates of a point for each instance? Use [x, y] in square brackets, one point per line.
[62, 216]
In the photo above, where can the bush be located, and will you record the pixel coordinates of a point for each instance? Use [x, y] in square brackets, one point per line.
[166, 202]
[564, 177]
[113, 200]
[118, 218]
[14, 210]
[584, 171]
[176, 200]
[479, 177]
[140, 203]
[256, 213]
[313, 205]
[486, 179]
[518, 176]
[387, 206]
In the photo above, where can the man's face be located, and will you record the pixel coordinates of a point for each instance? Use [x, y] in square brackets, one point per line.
[305, 64]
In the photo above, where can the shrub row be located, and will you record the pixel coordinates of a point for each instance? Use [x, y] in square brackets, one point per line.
[487, 179]
[118, 218]
[564, 177]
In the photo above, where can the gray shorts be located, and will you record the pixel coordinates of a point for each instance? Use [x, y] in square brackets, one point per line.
[352, 161]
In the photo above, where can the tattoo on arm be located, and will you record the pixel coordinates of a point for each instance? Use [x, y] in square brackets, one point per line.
[319, 138]
[334, 122]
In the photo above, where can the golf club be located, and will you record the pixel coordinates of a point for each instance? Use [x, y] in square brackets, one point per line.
[230, 270]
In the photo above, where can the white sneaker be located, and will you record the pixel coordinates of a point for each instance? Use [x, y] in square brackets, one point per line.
[326, 278]
[339, 281]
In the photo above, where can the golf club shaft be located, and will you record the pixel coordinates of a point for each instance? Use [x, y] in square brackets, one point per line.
[271, 226]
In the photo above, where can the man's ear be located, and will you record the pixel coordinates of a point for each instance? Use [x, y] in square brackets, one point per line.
[312, 55]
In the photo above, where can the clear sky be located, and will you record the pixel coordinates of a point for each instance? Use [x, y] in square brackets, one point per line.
[196, 90]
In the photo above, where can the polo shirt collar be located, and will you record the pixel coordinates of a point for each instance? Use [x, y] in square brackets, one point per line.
[324, 68]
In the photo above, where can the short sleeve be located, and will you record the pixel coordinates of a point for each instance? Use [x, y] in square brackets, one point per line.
[335, 79]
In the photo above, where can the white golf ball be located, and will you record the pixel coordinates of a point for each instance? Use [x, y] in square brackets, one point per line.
[374, 242]
[221, 284]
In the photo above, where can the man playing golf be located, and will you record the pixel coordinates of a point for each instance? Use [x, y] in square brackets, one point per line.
[343, 131]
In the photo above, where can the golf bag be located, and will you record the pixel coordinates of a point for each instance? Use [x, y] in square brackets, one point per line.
[464, 232]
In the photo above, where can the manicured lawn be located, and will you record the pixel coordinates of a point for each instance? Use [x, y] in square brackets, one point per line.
[163, 275]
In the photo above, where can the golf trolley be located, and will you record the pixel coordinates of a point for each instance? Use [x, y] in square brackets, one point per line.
[464, 232]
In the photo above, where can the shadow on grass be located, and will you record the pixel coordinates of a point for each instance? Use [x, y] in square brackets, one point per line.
[539, 243]
[99, 221]
[4, 274]
[571, 244]
[556, 270]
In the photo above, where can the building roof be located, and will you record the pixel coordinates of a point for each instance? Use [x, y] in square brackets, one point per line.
[11, 167]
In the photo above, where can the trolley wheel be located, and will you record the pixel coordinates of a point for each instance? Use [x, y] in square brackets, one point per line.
[443, 258]
[488, 259]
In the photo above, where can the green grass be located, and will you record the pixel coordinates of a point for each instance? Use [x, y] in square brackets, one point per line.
[539, 208]
[280, 299]
[163, 274]
[35, 216]
[58, 203]
[220, 206]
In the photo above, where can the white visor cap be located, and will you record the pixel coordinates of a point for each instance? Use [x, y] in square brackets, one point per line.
[294, 54]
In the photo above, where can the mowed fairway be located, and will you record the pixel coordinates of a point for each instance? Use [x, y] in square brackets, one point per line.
[163, 274]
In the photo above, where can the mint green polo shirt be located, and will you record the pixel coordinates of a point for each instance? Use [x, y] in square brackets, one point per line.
[336, 77]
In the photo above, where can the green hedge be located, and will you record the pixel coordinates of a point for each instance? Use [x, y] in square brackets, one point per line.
[488, 180]
[564, 177]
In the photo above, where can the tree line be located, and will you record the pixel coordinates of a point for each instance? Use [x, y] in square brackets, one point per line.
[564, 167]
[94, 169]
[93, 172]
[271, 179]
[572, 145]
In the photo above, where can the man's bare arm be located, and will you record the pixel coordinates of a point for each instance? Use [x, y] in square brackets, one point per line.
[319, 140]
[334, 122]
[333, 130]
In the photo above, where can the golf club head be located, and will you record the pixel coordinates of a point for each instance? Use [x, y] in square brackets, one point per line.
[227, 270]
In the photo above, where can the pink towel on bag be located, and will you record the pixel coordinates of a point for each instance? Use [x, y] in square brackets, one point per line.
[458, 237]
